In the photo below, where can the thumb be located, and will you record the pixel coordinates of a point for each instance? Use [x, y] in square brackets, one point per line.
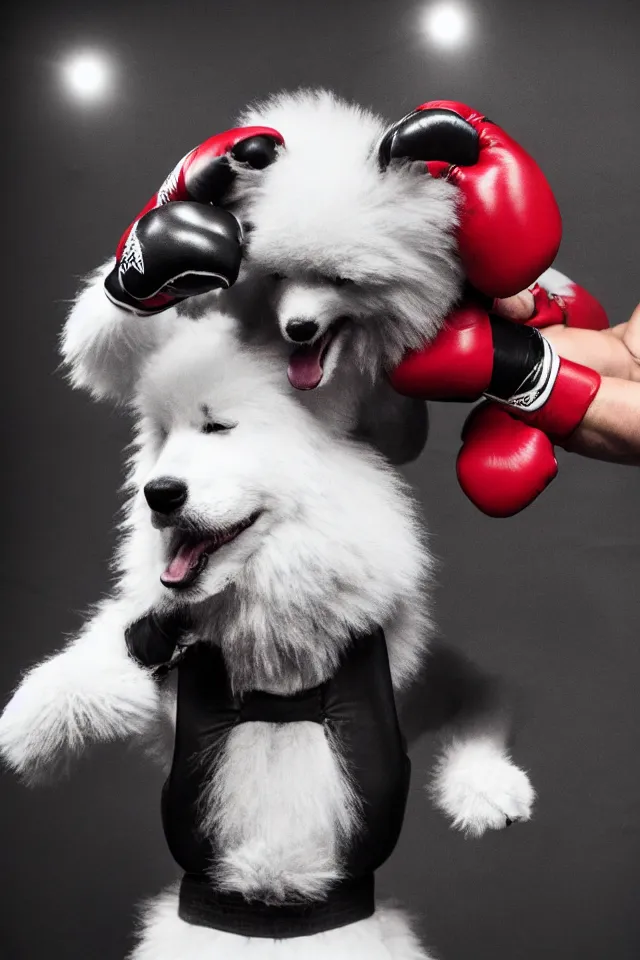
[519, 307]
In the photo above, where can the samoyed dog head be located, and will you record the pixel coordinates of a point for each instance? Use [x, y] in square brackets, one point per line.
[362, 260]
[219, 468]
[238, 491]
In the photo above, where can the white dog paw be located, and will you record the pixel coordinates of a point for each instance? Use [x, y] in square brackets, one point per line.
[480, 788]
[31, 728]
[66, 701]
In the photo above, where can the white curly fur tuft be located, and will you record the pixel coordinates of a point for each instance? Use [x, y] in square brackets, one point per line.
[281, 820]
[477, 785]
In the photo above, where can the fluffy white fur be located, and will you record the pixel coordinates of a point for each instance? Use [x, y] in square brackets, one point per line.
[479, 787]
[281, 819]
[91, 691]
[104, 347]
[324, 209]
[342, 556]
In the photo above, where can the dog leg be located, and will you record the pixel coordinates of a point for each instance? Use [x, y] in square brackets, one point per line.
[104, 346]
[90, 691]
[479, 787]
[476, 783]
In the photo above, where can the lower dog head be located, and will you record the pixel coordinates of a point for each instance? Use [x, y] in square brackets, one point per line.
[282, 539]
[220, 459]
[235, 482]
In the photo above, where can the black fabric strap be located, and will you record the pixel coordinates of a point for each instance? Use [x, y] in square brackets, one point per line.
[274, 708]
[152, 640]
[518, 353]
[201, 905]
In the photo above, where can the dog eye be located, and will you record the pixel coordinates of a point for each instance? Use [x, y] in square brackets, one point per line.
[278, 276]
[342, 281]
[214, 426]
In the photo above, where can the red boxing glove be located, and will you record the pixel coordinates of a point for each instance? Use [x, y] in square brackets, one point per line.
[510, 226]
[163, 257]
[504, 464]
[507, 456]
[554, 300]
[477, 354]
[557, 299]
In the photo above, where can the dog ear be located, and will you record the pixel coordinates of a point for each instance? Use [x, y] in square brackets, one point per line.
[430, 135]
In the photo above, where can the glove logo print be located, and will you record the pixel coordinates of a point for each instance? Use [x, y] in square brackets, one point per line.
[169, 188]
[132, 255]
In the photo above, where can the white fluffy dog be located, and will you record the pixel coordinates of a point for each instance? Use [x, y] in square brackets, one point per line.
[289, 543]
[365, 258]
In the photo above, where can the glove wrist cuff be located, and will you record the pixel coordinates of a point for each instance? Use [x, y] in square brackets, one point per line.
[116, 293]
[541, 364]
[568, 400]
[524, 365]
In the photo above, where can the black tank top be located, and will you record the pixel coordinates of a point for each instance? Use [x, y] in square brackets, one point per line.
[358, 706]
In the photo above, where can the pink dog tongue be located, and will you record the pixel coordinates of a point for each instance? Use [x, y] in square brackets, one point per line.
[184, 561]
[305, 366]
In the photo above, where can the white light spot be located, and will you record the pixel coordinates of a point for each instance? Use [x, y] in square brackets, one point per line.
[447, 24]
[87, 76]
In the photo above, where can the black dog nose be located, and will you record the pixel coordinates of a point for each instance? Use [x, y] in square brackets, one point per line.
[165, 494]
[301, 331]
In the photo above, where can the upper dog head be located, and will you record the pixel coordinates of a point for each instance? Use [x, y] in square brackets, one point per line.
[362, 261]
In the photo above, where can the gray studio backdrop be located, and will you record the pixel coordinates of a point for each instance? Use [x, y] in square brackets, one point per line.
[548, 600]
